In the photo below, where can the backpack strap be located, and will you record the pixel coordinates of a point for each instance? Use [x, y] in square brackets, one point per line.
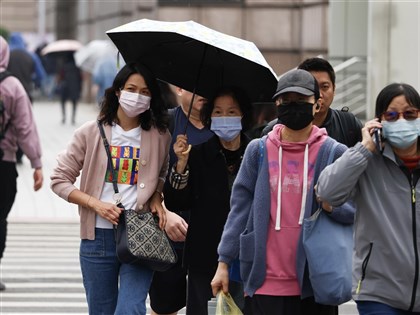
[349, 125]
[4, 75]
[3, 127]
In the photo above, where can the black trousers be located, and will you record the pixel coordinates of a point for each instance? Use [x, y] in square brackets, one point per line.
[198, 292]
[8, 189]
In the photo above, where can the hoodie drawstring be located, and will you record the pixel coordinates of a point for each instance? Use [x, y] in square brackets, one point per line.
[279, 192]
[305, 185]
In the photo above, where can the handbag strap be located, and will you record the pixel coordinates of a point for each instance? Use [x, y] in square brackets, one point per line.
[117, 196]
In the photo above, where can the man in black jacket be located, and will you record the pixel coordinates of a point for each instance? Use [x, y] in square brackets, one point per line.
[340, 124]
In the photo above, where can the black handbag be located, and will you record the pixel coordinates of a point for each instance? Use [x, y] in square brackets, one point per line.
[138, 237]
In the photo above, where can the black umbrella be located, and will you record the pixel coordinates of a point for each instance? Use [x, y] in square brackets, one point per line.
[196, 58]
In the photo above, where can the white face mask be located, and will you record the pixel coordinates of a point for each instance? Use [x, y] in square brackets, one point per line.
[226, 128]
[133, 104]
[401, 133]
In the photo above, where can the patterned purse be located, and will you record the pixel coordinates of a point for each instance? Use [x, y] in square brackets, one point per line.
[138, 238]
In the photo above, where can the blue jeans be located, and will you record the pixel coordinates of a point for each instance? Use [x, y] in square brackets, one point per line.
[376, 308]
[101, 271]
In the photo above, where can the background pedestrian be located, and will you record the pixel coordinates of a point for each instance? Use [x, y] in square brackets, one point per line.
[17, 126]
[69, 82]
[340, 124]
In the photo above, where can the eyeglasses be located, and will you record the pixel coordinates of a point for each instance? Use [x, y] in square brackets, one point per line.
[410, 114]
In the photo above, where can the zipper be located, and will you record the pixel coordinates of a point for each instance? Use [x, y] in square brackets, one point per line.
[364, 266]
[416, 254]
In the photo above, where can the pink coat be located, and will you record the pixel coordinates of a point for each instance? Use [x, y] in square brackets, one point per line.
[22, 130]
[86, 153]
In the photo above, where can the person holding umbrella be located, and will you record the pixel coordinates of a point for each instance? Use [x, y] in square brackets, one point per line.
[271, 196]
[168, 292]
[201, 180]
[135, 122]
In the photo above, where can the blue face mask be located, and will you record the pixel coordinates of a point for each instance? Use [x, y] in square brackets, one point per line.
[401, 133]
[226, 128]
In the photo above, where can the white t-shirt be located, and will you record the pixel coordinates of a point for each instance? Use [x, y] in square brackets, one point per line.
[125, 153]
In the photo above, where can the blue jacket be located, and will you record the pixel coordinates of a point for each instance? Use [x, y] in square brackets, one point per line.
[245, 231]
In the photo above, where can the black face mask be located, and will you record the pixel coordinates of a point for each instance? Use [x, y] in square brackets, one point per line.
[296, 115]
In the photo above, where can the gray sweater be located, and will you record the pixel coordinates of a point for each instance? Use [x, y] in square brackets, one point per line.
[387, 224]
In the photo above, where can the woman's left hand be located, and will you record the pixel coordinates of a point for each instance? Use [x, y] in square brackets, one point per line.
[156, 207]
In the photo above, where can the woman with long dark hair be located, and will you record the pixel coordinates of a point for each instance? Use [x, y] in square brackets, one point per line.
[134, 119]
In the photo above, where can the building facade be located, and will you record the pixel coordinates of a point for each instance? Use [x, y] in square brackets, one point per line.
[383, 36]
[285, 31]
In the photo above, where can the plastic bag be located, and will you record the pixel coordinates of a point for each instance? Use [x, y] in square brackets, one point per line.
[226, 305]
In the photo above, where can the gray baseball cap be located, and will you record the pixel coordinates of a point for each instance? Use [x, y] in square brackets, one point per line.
[298, 81]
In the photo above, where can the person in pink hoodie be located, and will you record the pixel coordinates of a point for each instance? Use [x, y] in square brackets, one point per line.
[272, 194]
[17, 127]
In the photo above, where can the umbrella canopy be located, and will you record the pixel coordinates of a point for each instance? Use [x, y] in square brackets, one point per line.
[87, 56]
[61, 46]
[195, 57]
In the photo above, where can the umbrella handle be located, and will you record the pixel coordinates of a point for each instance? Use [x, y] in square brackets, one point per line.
[188, 150]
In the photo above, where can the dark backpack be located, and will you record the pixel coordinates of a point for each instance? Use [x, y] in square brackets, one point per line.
[3, 125]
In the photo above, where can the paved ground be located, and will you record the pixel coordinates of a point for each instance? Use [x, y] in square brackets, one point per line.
[44, 205]
[40, 266]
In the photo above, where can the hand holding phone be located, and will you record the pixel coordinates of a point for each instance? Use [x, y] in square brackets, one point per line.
[377, 138]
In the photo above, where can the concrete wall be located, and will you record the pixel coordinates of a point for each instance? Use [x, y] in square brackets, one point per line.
[394, 50]
[285, 31]
[348, 22]
[19, 16]
[386, 33]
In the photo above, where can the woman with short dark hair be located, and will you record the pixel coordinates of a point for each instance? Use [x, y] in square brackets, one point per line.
[382, 178]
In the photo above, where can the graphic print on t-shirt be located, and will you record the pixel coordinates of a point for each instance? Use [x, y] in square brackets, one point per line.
[125, 160]
[292, 176]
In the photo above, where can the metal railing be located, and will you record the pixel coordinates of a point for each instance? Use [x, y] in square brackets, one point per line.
[351, 85]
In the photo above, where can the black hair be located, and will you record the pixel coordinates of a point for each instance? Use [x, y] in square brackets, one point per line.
[318, 64]
[156, 116]
[388, 93]
[239, 95]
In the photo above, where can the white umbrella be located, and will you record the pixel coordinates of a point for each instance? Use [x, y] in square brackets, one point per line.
[62, 46]
[87, 56]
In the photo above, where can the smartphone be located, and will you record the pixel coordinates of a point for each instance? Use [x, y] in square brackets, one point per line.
[377, 138]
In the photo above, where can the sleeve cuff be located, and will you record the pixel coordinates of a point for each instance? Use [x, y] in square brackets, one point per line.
[178, 181]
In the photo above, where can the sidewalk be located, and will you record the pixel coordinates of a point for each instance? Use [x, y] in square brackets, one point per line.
[44, 205]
